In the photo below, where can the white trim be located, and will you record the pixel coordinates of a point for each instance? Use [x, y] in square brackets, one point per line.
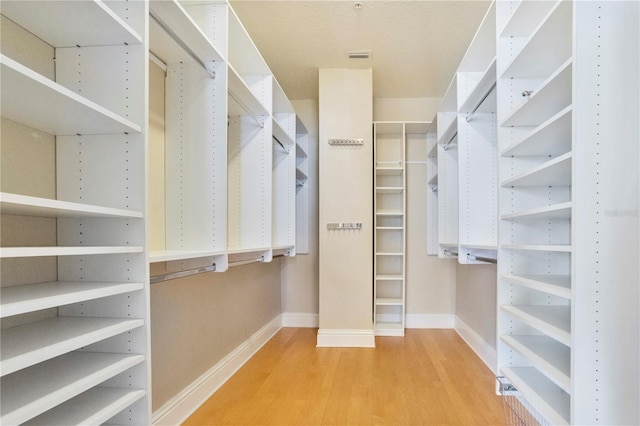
[430, 321]
[484, 350]
[346, 338]
[299, 319]
[181, 406]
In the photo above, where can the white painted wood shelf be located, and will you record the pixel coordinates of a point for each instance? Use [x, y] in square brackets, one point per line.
[29, 344]
[42, 207]
[391, 171]
[555, 172]
[30, 392]
[389, 301]
[242, 100]
[7, 252]
[481, 89]
[556, 211]
[558, 285]
[525, 18]
[25, 298]
[552, 320]
[171, 255]
[389, 277]
[389, 190]
[561, 248]
[552, 137]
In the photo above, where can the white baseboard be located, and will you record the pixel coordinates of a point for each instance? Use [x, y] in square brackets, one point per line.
[485, 351]
[180, 407]
[430, 321]
[329, 338]
[299, 319]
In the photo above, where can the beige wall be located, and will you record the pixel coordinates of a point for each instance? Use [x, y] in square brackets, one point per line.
[197, 321]
[345, 196]
[476, 299]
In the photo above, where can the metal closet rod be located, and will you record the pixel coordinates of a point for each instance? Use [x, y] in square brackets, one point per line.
[181, 43]
[446, 145]
[244, 107]
[484, 98]
[299, 182]
[481, 258]
[181, 274]
[450, 252]
[280, 143]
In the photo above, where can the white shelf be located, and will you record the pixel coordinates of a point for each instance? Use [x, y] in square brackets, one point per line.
[33, 206]
[247, 250]
[389, 301]
[281, 135]
[174, 16]
[552, 402]
[389, 228]
[556, 211]
[70, 24]
[21, 299]
[7, 252]
[389, 277]
[389, 213]
[551, 358]
[242, 101]
[526, 18]
[479, 246]
[300, 151]
[32, 391]
[93, 407]
[32, 343]
[300, 175]
[449, 132]
[558, 285]
[482, 88]
[389, 171]
[546, 47]
[561, 248]
[35, 101]
[553, 137]
[389, 190]
[552, 320]
[170, 255]
[555, 172]
[553, 95]
[389, 254]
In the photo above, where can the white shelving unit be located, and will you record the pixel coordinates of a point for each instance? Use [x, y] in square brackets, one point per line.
[75, 292]
[390, 233]
[562, 67]
[302, 188]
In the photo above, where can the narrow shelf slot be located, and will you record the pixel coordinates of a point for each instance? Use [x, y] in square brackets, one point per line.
[281, 135]
[389, 213]
[556, 211]
[558, 285]
[21, 299]
[542, 393]
[551, 358]
[389, 190]
[526, 18]
[32, 343]
[553, 137]
[449, 133]
[389, 301]
[35, 101]
[389, 278]
[34, 206]
[242, 101]
[93, 407]
[553, 95]
[300, 151]
[555, 172]
[552, 320]
[7, 252]
[561, 248]
[74, 25]
[30, 392]
[472, 246]
[389, 254]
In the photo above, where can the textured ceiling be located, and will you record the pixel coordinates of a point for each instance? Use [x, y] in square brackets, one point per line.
[416, 45]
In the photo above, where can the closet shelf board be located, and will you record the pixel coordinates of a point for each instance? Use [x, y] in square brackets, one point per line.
[170, 255]
[555, 172]
[43, 207]
[552, 137]
[556, 211]
[552, 320]
[242, 101]
[7, 252]
[558, 285]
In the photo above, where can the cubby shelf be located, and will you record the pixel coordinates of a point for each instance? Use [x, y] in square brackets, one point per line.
[551, 358]
[8, 252]
[389, 277]
[29, 344]
[389, 301]
[32, 391]
[389, 213]
[553, 95]
[552, 401]
[525, 18]
[552, 320]
[556, 211]
[389, 190]
[390, 228]
[93, 407]
[561, 248]
[555, 172]
[553, 137]
[35, 101]
[34, 206]
[390, 171]
[557, 285]
[25, 298]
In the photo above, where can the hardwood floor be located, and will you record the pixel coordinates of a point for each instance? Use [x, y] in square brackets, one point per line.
[429, 377]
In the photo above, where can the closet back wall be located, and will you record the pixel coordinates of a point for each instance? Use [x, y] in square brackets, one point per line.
[197, 321]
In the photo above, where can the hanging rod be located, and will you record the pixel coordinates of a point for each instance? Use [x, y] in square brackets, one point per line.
[299, 182]
[481, 258]
[484, 98]
[446, 145]
[280, 143]
[181, 274]
[450, 253]
[434, 188]
[181, 43]
[244, 107]
[246, 262]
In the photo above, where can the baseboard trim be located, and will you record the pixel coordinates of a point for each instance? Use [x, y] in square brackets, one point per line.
[180, 407]
[430, 321]
[485, 351]
[299, 319]
[347, 338]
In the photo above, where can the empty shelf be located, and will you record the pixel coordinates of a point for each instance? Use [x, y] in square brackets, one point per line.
[389, 301]
[242, 101]
[389, 190]
[7, 252]
[558, 285]
[32, 297]
[552, 402]
[553, 137]
[552, 320]
[553, 359]
[74, 25]
[481, 90]
[389, 278]
[35, 101]
[556, 211]
[32, 343]
[555, 172]
[44, 207]
[281, 134]
[300, 151]
[561, 248]
[526, 18]
[389, 254]
[449, 132]
[30, 392]
[93, 407]
[389, 213]
[390, 171]
[389, 228]
[170, 255]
